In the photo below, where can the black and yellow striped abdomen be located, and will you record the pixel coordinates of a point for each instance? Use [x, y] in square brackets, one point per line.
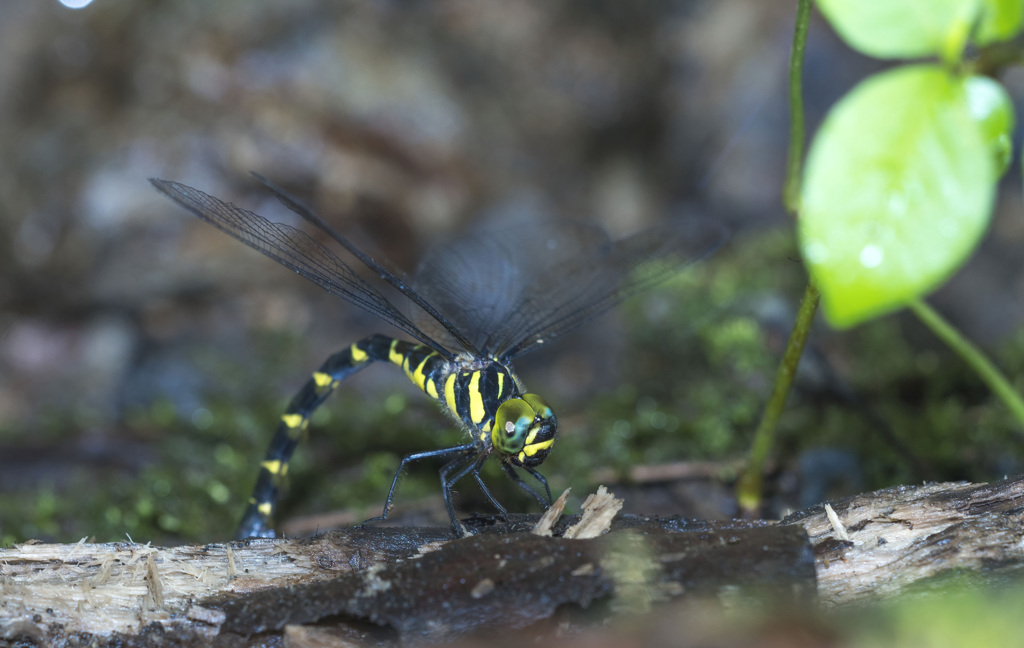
[258, 517]
[471, 391]
[421, 364]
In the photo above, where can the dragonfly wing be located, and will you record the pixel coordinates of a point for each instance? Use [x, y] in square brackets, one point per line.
[293, 249]
[393, 277]
[580, 289]
[480, 281]
[514, 288]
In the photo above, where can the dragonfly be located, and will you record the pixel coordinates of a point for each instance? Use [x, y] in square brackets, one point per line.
[477, 303]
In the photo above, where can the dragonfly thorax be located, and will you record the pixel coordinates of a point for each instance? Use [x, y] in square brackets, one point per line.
[488, 398]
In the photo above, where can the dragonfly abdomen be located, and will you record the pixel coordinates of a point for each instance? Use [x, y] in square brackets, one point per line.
[423, 366]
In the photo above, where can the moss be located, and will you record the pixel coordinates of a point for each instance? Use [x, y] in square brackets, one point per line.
[958, 613]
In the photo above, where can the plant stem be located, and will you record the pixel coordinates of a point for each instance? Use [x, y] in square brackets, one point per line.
[973, 356]
[794, 159]
[748, 488]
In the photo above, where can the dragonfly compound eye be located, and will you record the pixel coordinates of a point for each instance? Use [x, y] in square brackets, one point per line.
[512, 423]
[539, 405]
[524, 428]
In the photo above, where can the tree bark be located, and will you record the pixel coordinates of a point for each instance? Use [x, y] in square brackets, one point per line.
[420, 584]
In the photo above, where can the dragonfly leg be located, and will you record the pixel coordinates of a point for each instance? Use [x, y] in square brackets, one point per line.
[543, 482]
[490, 497]
[514, 476]
[465, 467]
[462, 450]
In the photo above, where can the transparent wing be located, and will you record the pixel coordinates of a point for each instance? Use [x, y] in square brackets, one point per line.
[398, 282]
[296, 250]
[479, 280]
[515, 288]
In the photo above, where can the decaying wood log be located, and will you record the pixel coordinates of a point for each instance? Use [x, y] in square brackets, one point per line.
[419, 583]
[910, 536]
[505, 581]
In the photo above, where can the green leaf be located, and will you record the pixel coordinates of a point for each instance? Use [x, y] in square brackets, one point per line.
[897, 192]
[904, 28]
[992, 108]
[1000, 20]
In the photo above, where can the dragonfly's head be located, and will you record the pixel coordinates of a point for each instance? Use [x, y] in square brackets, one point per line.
[524, 429]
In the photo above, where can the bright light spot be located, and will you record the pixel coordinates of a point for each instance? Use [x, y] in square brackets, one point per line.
[897, 203]
[815, 252]
[658, 420]
[871, 256]
[76, 4]
[219, 492]
[202, 418]
[622, 429]
[394, 404]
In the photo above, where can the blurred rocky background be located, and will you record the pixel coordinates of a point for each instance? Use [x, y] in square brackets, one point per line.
[144, 357]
